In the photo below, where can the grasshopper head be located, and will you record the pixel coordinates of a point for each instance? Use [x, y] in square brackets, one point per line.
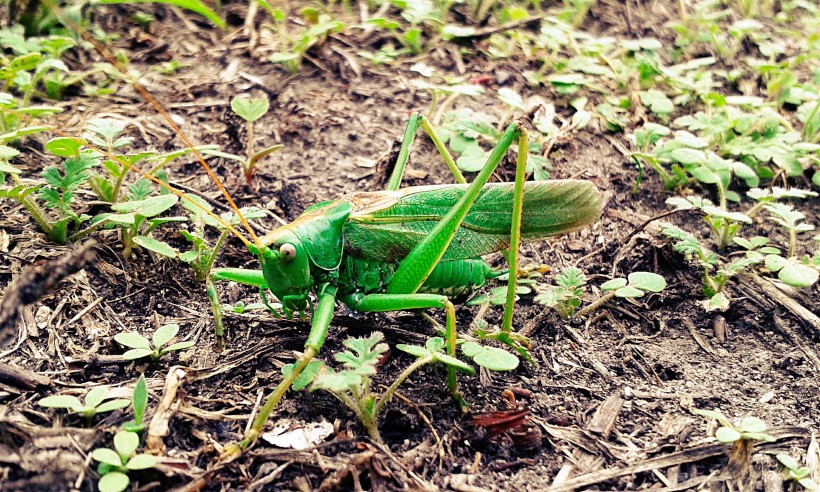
[286, 268]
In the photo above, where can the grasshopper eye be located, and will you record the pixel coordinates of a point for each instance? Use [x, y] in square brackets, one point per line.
[288, 251]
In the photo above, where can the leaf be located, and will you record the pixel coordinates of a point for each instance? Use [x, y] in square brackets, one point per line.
[798, 275]
[338, 382]
[688, 156]
[134, 354]
[95, 396]
[133, 340]
[648, 281]
[495, 359]
[149, 207]
[178, 346]
[727, 435]
[139, 400]
[113, 482]
[712, 415]
[126, 444]
[718, 302]
[193, 5]
[307, 376]
[614, 284]
[368, 351]
[65, 146]
[141, 461]
[788, 461]
[108, 456]
[511, 97]
[159, 247]
[164, 334]
[455, 363]
[657, 102]
[413, 350]
[752, 424]
[250, 109]
[628, 292]
[61, 401]
[111, 405]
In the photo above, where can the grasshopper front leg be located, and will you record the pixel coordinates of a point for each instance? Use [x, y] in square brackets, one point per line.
[318, 332]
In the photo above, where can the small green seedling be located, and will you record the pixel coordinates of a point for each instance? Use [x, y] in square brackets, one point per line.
[352, 384]
[788, 218]
[93, 404]
[251, 110]
[715, 276]
[139, 402]
[742, 436]
[116, 463]
[565, 297]
[750, 428]
[797, 474]
[141, 347]
[635, 285]
[137, 217]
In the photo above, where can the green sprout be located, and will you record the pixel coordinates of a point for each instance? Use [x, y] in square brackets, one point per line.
[115, 464]
[93, 404]
[565, 297]
[139, 402]
[250, 110]
[788, 218]
[352, 385]
[797, 474]
[141, 347]
[635, 285]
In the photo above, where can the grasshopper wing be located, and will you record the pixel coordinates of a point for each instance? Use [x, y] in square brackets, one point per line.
[385, 226]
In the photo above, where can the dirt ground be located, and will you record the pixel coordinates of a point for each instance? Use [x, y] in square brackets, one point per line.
[609, 399]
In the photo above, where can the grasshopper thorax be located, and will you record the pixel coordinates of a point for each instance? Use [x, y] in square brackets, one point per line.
[286, 267]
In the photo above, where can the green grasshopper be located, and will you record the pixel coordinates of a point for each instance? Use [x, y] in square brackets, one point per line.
[398, 249]
[407, 249]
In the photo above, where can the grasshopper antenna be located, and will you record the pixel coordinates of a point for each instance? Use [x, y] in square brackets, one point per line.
[110, 58]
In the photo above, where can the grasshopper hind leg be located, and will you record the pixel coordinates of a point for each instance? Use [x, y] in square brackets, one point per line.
[413, 124]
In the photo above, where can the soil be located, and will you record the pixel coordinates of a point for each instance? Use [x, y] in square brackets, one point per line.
[608, 400]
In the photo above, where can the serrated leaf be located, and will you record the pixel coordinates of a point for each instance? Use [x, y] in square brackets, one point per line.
[338, 382]
[133, 340]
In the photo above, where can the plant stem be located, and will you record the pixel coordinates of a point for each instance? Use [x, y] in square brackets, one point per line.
[399, 380]
[595, 305]
[792, 242]
[214, 253]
